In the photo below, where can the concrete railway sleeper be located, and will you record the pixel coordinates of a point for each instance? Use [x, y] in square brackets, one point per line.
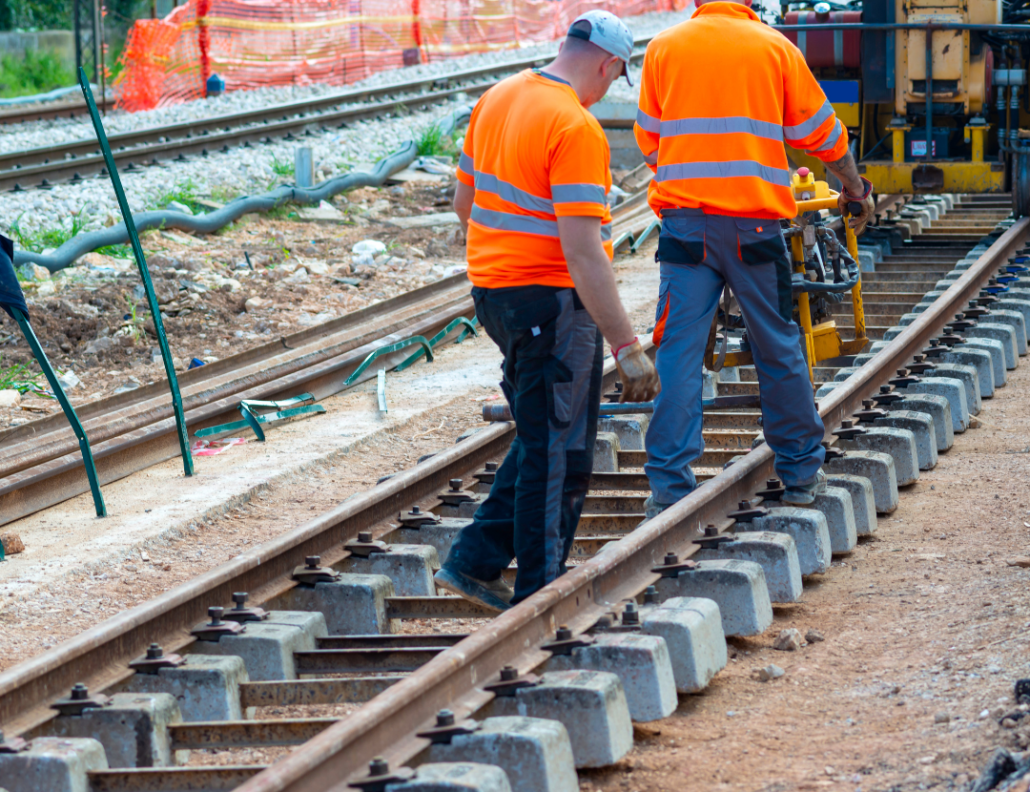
[521, 700]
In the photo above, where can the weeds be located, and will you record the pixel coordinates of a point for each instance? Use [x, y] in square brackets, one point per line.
[35, 72]
[133, 321]
[41, 239]
[434, 143]
[282, 169]
[116, 251]
[18, 377]
[184, 193]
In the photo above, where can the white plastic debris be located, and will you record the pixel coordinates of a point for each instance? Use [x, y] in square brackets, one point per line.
[369, 246]
[69, 380]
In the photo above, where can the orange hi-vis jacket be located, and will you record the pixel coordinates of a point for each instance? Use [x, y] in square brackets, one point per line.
[719, 96]
[533, 154]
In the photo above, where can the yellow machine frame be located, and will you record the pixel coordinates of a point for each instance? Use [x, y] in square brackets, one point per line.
[822, 341]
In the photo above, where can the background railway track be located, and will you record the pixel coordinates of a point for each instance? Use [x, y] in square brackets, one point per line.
[406, 677]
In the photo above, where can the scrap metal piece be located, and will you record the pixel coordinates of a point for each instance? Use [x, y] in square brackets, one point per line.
[154, 660]
[79, 701]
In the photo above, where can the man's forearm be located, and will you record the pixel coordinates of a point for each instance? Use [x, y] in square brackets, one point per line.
[595, 285]
[846, 170]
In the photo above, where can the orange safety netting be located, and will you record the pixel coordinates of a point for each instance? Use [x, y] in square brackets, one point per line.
[257, 43]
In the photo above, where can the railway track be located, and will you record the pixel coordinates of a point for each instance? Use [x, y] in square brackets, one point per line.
[45, 166]
[394, 674]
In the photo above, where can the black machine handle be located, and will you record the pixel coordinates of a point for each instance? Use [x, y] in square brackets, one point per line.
[854, 208]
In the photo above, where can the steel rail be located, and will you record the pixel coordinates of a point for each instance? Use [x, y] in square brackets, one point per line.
[78, 158]
[386, 725]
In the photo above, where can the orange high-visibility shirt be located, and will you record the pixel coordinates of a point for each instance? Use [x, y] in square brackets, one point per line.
[533, 154]
[719, 95]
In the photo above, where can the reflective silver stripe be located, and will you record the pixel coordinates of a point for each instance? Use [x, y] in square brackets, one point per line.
[465, 164]
[648, 123]
[722, 126]
[606, 232]
[652, 158]
[578, 193]
[724, 170]
[806, 128]
[831, 141]
[512, 194]
[503, 221]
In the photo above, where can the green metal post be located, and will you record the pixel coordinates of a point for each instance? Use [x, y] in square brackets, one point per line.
[141, 262]
[69, 411]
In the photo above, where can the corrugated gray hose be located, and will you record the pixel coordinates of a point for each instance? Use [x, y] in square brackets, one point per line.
[208, 223]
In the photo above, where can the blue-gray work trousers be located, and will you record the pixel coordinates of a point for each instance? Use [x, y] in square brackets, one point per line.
[698, 254]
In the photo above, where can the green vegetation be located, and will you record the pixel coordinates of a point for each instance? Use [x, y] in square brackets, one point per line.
[18, 377]
[38, 241]
[184, 193]
[135, 321]
[116, 251]
[35, 73]
[280, 168]
[434, 143]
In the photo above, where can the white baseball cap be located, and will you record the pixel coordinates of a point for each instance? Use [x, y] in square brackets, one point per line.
[609, 33]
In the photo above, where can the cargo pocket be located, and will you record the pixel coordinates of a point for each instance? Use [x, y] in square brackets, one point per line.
[682, 240]
[759, 241]
[559, 384]
[532, 322]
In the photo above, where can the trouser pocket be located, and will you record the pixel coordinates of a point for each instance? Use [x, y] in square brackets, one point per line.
[558, 381]
[759, 241]
[682, 240]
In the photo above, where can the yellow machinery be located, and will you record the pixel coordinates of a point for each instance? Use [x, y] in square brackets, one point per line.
[933, 92]
[823, 272]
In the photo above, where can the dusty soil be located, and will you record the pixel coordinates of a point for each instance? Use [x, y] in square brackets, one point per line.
[93, 318]
[925, 627]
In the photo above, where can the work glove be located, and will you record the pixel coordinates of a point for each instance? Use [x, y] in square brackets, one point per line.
[859, 207]
[639, 378]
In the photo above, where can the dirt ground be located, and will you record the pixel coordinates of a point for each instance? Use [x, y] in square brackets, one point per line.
[93, 318]
[925, 627]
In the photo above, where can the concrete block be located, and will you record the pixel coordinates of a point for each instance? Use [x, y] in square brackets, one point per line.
[951, 389]
[876, 466]
[921, 426]
[267, 647]
[893, 332]
[641, 662]
[862, 501]
[132, 727]
[937, 408]
[590, 704]
[692, 630]
[844, 373]
[899, 443]
[455, 777]
[730, 374]
[352, 605]
[738, 587]
[439, 535]
[825, 389]
[979, 359]
[835, 504]
[409, 566]
[1013, 319]
[630, 429]
[52, 764]
[775, 552]
[1014, 303]
[206, 687]
[999, 332]
[534, 753]
[866, 260]
[606, 453]
[964, 374]
[806, 527]
[997, 352]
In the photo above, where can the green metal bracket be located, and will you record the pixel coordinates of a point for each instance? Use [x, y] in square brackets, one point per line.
[253, 420]
[622, 239]
[388, 350]
[69, 411]
[470, 327]
[141, 263]
[642, 237]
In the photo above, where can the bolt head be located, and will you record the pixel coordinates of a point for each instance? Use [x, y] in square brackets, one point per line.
[445, 718]
[215, 612]
[313, 562]
[79, 692]
[671, 558]
[155, 652]
[711, 530]
[378, 766]
[240, 598]
[456, 485]
[563, 634]
[509, 673]
[744, 505]
[491, 467]
[847, 423]
[416, 510]
[919, 358]
[885, 389]
[868, 403]
[650, 595]
[364, 536]
[772, 483]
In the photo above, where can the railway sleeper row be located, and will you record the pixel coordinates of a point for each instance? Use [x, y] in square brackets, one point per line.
[345, 633]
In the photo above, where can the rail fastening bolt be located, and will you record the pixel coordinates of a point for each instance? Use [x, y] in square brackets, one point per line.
[509, 674]
[630, 614]
[79, 692]
[445, 718]
[378, 766]
[847, 423]
[563, 633]
[364, 537]
[155, 652]
[416, 510]
[650, 595]
[240, 598]
[313, 562]
[215, 612]
[670, 559]
[456, 485]
[491, 467]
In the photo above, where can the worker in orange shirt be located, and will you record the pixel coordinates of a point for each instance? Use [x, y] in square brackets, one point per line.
[532, 183]
[719, 96]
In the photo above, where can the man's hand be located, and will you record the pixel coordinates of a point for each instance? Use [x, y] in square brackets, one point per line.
[639, 378]
[860, 210]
